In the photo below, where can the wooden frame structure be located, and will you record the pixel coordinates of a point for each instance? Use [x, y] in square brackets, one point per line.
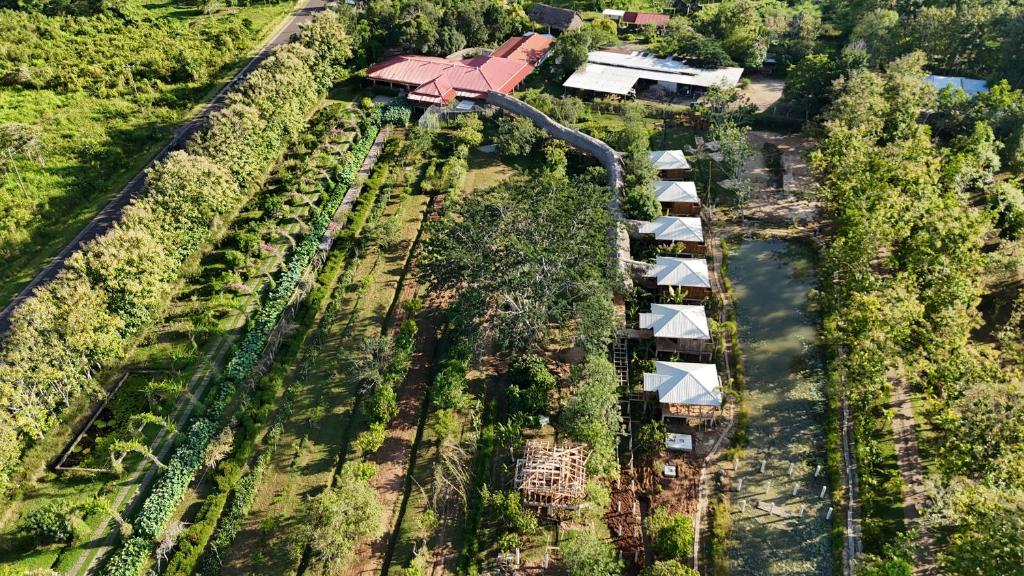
[552, 477]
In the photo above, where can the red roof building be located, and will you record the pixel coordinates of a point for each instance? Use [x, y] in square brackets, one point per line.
[432, 80]
[645, 19]
[531, 48]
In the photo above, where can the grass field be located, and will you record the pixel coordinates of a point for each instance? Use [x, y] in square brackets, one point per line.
[93, 143]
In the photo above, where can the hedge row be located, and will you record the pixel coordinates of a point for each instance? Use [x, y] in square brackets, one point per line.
[193, 546]
[131, 558]
[231, 522]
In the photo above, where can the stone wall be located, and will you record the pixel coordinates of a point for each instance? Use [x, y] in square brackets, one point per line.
[578, 140]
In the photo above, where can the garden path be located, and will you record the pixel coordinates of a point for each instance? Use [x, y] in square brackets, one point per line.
[912, 473]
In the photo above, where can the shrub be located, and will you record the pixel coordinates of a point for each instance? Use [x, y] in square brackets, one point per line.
[234, 259]
[586, 554]
[668, 568]
[506, 509]
[54, 523]
[382, 405]
[671, 535]
[531, 384]
[369, 441]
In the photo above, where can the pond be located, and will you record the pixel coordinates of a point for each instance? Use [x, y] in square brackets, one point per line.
[779, 514]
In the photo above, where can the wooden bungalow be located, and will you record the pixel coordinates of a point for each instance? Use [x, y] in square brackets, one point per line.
[678, 329]
[687, 278]
[686, 390]
[677, 198]
[671, 164]
[685, 230]
[555, 20]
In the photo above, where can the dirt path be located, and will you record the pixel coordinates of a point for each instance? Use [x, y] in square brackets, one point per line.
[392, 459]
[911, 472]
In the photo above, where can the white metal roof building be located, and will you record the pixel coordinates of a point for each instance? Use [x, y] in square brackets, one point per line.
[613, 14]
[676, 321]
[685, 272]
[670, 160]
[971, 86]
[617, 73]
[676, 191]
[685, 383]
[674, 229]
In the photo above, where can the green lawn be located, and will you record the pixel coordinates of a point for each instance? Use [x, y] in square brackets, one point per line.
[94, 141]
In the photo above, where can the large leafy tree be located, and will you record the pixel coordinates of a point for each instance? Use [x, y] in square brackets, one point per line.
[336, 520]
[526, 253]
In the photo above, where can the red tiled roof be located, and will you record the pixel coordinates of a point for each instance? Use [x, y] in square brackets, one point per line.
[431, 78]
[530, 48]
[437, 91]
[645, 18]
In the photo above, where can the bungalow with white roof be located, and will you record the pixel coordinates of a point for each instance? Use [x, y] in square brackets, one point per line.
[677, 198]
[671, 164]
[686, 389]
[684, 230]
[688, 277]
[678, 329]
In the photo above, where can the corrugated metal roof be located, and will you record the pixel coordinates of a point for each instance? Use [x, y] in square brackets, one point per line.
[604, 79]
[561, 18]
[615, 72]
[674, 229]
[669, 160]
[685, 383]
[613, 14]
[676, 191]
[972, 86]
[676, 321]
[645, 18]
[688, 272]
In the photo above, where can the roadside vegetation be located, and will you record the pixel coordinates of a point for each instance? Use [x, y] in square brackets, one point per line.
[90, 93]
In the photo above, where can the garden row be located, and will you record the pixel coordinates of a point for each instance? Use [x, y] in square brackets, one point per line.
[187, 460]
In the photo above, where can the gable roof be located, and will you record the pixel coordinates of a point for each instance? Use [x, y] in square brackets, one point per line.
[645, 18]
[439, 80]
[437, 91]
[559, 18]
[669, 160]
[676, 191]
[685, 383]
[687, 272]
[530, 48]
[674, 229]
[676, 321]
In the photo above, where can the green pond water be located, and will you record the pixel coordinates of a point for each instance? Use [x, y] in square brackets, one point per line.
[785, 402]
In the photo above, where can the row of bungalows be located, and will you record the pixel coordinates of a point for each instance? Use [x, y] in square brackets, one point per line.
[430, 80]
[685, 379]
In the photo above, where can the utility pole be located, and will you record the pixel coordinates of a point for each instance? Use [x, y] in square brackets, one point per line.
[10, 154]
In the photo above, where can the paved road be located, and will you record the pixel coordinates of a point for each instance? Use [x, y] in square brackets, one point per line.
[111, 213]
